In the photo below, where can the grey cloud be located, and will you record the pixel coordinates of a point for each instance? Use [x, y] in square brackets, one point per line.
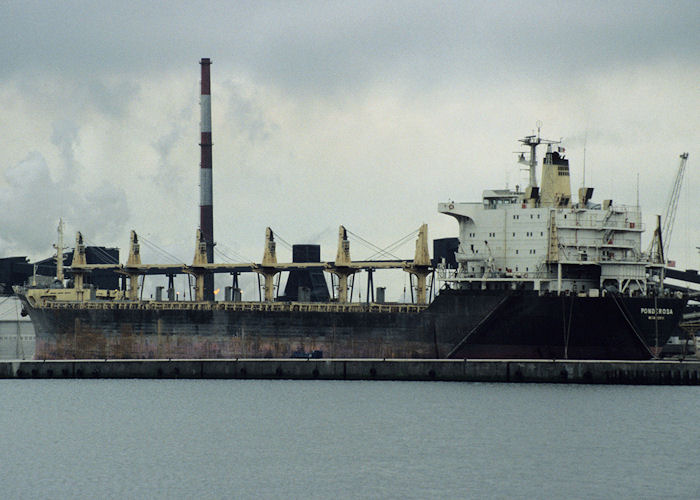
[64, 137]
[245, 114]
[169, 172]
[429, 90]
[31, 199]
[324, 46]
[35, 202]
[106, 210]
[109, 98]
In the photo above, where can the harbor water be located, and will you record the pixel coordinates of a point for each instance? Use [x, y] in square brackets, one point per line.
[346, 439]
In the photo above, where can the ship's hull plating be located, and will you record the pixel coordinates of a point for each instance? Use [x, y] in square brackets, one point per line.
[458, 324]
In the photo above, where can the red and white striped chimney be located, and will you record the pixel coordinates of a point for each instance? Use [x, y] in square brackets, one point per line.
[206, 205]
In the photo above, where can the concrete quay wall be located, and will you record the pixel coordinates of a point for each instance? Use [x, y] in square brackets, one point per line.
[553, 371]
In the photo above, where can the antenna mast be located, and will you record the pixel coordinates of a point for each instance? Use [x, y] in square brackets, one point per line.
[59, 252]
[585, 142]
[532, 141]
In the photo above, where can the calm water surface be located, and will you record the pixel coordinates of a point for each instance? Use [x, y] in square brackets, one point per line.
[330, 439]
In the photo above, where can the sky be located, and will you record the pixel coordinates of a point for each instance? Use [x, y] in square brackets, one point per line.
[363, 113]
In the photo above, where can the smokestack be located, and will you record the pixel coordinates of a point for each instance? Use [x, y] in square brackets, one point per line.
[206, 205]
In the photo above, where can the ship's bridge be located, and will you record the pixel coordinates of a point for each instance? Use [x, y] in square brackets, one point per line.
[493, 198]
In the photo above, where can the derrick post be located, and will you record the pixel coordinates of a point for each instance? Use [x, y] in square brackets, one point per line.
[79, 262]
[420, 267]
[269, 276]
[133, 286]
[341, 266]
[132, 263]
[343, 275]
[198, 268]
[268, 268]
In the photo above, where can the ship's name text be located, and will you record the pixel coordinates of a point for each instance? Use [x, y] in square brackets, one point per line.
[656, 310]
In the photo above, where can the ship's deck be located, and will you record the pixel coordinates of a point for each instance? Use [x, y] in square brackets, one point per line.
[240, 306]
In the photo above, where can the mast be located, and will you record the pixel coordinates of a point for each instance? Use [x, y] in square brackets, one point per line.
[59, 252]
[532, 142]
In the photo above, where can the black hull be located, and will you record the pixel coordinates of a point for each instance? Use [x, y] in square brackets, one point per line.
[458, 324]
[564, 327]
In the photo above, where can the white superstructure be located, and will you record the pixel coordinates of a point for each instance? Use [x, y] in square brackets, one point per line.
[541, 239]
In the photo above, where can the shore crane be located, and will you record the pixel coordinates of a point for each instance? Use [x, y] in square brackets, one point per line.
[661, 241]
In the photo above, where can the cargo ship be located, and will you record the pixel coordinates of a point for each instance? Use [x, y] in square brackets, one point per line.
[534, 273]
